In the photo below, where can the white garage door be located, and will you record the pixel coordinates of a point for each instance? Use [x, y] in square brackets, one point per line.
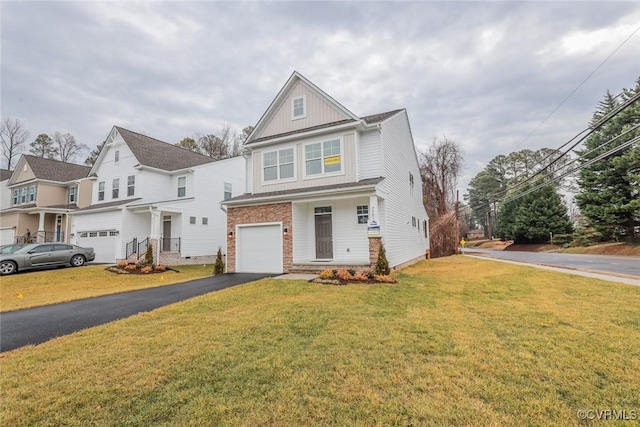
[103, 244]
[259, 249]
[7, 236]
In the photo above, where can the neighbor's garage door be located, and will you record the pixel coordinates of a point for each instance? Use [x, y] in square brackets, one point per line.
[259, 249]
[103, 244]
[7, 236]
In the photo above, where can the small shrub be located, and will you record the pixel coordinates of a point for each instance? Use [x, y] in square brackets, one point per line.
[344, 275]
[146, 270]
[148, 256]
[371, 275]
[218, 267]
[326, 274]
[384, 278]
[562, 239]
[122, 263]
[130, 267]
[352, 271]
[382, 265]
[160, 268]
[360, 277]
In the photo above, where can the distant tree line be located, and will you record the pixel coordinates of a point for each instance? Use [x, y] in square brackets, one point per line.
[221, 145]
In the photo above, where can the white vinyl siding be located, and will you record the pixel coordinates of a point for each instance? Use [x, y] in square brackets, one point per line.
[370, 155]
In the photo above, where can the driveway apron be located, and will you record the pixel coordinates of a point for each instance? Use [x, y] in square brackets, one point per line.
[40, 324]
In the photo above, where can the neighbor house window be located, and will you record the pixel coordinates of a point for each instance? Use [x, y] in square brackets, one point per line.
[116, 156]
[278, 164]
[413, 221]
[192, 220]
[298, 108]
[16, 196]
[411, 183]
[131, 185]
[424, 228]
[101, 190]
[363, 214]
[227, 190]
[73, 194]
[23, 195]
[182, 186]
[32, 193]
[115, 188]
[205, 220]
[323, 157]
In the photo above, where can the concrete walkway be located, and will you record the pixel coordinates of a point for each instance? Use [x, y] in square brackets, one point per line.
[40, 324]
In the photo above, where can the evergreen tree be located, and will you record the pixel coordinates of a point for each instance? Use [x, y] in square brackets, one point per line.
[218, 267]
[610, 188]
[539, 214]
[43, 146]
[382, 265]
[93, 156]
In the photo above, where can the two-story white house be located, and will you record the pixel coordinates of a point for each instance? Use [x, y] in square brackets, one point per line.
[325, 187]
[146, 191]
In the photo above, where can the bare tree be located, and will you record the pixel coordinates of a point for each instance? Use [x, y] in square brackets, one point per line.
[13, 136]
[67, 147]
[440, 167]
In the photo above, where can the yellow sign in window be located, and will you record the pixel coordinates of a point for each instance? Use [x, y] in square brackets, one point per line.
[332, 160]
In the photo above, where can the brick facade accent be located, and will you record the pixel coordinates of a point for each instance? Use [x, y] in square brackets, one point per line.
[277, 212]
[374, 249]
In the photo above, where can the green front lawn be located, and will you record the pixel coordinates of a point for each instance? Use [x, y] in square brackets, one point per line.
[36, 288]
[458, 341]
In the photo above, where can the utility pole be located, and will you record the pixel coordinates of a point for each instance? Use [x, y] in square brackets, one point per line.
[456, 224]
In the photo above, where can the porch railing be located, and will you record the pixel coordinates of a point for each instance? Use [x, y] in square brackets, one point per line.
[142, 247]
[131, 248]
[170, 244]
[53, 236]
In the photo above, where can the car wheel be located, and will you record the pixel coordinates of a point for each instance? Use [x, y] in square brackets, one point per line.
[77, 261]
[8, 267]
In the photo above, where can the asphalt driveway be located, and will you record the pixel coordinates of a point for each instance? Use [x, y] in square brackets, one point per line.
[40, 324]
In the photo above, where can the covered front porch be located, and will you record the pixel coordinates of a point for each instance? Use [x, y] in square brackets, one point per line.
[158, 226]
[42, 225]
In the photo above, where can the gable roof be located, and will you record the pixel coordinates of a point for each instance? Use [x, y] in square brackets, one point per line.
[54, 170]
[5, 174]
[159, 154]
[380, 117]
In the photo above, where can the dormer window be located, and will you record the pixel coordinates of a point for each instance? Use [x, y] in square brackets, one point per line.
[298, 108]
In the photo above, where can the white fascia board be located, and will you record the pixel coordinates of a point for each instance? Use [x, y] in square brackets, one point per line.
[303, 135]
[90, 211]
[165, 172]
[332, 193]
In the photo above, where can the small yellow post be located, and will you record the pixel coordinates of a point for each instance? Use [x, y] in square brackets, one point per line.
[428, 254]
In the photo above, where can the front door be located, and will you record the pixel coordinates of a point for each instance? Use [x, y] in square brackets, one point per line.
[166, 233]
[324, 234]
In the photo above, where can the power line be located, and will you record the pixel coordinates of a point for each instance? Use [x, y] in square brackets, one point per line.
[576, 89]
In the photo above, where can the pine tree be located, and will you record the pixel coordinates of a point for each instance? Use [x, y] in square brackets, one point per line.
[148, 256]
[610, 188]
[382, 265]
[218, 267]
[539, 214]
[43, 146]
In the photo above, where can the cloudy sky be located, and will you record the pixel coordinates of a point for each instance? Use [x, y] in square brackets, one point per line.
[484, 74]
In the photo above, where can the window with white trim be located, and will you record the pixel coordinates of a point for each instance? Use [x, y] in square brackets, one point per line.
[362, 213]
[16, 196]
[131, 185]
[101, 190]
[323, 157]
[411, 183]
[413, 221]
[32, 193]
[115, 188]
[227, 190]
[278, 164]
[298, 108]
[23, 195]
[73, 194]
[205, 220]
[182, 186]
[192, 220]
[116, 156]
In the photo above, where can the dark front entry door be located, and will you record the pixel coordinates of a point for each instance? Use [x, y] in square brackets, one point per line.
[166, 234]
[324, 240]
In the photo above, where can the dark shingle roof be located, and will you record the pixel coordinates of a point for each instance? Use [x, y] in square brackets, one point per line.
[361, 183]
[108, 204]
[161, 155]
[5, 174]
[54, 170]
[373, 118]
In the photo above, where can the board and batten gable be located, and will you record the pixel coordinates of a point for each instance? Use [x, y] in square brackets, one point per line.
[348, 167]
[319, 111]
[402, 240]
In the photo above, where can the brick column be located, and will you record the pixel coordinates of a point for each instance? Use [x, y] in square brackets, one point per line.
[374, 249]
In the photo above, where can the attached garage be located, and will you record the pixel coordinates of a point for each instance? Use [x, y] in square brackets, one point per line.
[103, 243]
[7, 236]
[259, 248]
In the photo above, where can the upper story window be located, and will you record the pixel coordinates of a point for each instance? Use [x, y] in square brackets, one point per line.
[298, 108]
[73, 194]
[23, 195]
[101, 190]
[16, 196]
[32, 193]
[182, 186]
[411, 183]
[115, 188]
[131, 185]
[116, 156]
[278, 164]
[227, 190]
[323, 157]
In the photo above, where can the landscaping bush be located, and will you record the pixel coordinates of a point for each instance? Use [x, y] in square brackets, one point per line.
[123, 263]
[384, 278]
[146, 270]
[382, 265]
[360, 277]
[130, 267]
[148, 256]
[218, 267]
[160, 268]
[344, 275]
[326, 274]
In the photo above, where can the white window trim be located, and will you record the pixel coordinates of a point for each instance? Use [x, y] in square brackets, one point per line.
[185, 186]
[131, 186]
[278, 180]
[323, 174]
[304, 107]
[113, 188]
[104, 186]
[116, 156]
[358, 215]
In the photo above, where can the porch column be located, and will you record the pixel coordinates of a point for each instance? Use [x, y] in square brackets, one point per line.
[154, 235]
[373, 223]
[41, 234]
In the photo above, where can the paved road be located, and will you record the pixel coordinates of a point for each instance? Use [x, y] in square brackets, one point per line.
[604, 263]
[40, 324]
